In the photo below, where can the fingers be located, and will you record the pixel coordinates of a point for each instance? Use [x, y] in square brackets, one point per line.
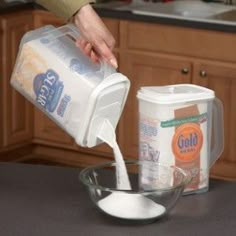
[100, 49]
[105, 52]
[110, 41]
[96, 33]
[94, 57]
[87, 49]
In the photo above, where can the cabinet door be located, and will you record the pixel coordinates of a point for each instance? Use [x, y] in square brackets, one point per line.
[17, 117]
[222, 79]
[47, 132]
[146, 70]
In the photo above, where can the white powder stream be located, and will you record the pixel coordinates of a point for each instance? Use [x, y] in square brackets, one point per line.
[122, 177]
[123, 204]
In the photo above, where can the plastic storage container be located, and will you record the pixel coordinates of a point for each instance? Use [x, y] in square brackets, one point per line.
[66, 85]
[175, 128]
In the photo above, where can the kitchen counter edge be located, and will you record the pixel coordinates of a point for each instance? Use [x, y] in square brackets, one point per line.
[126, 15]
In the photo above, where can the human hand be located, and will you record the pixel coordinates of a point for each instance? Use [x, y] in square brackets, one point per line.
[97, 41]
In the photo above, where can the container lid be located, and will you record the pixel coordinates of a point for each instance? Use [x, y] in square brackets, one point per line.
[171, 94]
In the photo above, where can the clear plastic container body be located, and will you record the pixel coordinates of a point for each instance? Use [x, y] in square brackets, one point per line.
[55, 75]
[175, 128]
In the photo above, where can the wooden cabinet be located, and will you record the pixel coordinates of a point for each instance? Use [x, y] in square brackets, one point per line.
[153, 54]
[221, 77]
[16, 122]
[148, 54]
[145, 69]
[48, 133]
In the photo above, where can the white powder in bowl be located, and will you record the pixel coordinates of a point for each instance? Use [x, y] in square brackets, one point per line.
[121, 204]
[130, 206]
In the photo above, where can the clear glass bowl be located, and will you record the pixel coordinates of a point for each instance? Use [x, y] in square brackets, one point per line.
[155, 190]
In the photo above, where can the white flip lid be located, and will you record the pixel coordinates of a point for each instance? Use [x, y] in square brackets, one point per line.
[173, 94]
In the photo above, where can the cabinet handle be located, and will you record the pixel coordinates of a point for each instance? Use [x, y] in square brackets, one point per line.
[184, 71]
[202, 73]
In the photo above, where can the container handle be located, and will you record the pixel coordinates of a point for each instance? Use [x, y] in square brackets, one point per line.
[218, 128]
[65, 30]
[73, 32]
[70, 29]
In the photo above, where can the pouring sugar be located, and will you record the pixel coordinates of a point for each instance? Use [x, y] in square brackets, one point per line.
[123, 204]
[108, 135]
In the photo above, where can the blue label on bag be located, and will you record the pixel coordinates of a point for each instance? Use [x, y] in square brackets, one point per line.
[48, 89]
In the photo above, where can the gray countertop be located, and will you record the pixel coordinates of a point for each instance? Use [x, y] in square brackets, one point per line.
[6, 7]
[127, 15]
[39, 200]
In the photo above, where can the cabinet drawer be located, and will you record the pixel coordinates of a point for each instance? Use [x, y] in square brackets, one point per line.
[180, 40]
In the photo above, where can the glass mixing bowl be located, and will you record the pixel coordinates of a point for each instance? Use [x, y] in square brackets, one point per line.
[155, 190]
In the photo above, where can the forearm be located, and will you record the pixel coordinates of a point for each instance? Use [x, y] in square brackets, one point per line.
[64, 8]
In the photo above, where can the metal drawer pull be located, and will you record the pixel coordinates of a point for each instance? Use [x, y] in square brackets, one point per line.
[202, 73]
[185, 71]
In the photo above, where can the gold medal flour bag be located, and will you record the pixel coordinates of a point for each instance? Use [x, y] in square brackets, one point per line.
[175, 128]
